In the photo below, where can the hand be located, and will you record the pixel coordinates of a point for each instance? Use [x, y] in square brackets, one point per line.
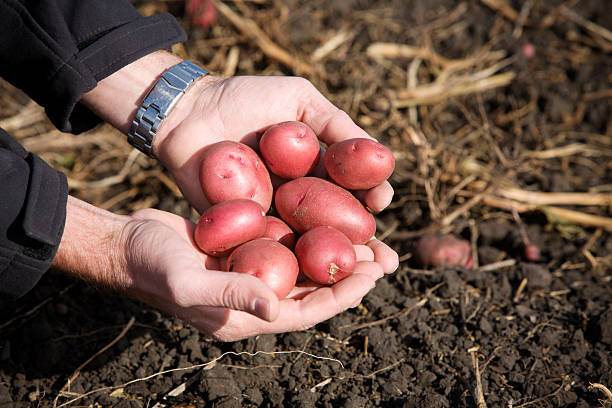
[178, 279]
[241, 108]
[150, 255]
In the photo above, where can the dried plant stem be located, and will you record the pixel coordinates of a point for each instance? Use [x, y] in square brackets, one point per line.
[77, 372]
[572, 216]
[478, 394]
[252, 31]
[539, 198]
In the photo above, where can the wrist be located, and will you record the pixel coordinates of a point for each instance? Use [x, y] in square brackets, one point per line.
[92, 246]
[117, 98]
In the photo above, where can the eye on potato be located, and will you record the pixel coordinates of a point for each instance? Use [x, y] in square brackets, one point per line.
[229, 224]
[309, 202]
[325, 255]
[231, 170]
[289, 149]
[268, 260]
[359, 164]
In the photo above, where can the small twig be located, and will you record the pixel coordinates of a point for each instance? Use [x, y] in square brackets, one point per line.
[321, 384]
[589, 25]
[77, 372]
[203, 365]
[447, 220]
[497, 265]
[540, 198]
[503, 8]
[602, 388]
[252, 31]
[552, 394]
[568, 150]
[35, 308]
[478, 394]
[330, 45]
[382, 370]
[474, 242]
[570, 216]
[403, 312]
[519, 290]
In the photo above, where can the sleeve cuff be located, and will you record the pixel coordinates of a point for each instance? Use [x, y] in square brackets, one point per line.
[105, 56]
[33, 224]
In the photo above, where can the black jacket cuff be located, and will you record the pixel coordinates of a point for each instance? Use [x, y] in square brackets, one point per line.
[32, 219]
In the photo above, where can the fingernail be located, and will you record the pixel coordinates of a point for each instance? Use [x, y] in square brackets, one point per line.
[261, 308]
[354, 305]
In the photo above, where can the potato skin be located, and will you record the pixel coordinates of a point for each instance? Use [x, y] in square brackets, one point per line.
[325, 255]
[230, 170]
[229, 224]
[268, 260]
[359, 164]
[277, 230]
[290, 149]
[309, 202]
[443, 250]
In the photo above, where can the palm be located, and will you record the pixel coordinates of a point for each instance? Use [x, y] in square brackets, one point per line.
[239, 109]
[180, 280]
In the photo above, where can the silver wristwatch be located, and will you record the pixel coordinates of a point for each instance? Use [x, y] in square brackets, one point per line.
[159, 102]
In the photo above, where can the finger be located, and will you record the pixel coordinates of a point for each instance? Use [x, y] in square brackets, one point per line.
[384, 255]
[317, 306]
[377, 198]
[368, 268]
[329, 123]
[237, 291]
[364, 253]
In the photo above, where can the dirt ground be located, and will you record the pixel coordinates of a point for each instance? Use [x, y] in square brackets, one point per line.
[488, 105]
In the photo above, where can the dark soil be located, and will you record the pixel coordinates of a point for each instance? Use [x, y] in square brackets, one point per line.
[541, 333]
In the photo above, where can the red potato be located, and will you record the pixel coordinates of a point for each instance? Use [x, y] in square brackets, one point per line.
[443, 250]
[289, 149]
[268, 260]
[325, 255]
[229, 224]
[231, 170]
[359, 164]
[309, 202]
[277, 230]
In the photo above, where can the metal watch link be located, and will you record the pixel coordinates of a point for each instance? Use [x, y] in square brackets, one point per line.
[159, 102]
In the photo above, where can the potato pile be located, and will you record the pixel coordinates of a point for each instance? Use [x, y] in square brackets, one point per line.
[317, 220]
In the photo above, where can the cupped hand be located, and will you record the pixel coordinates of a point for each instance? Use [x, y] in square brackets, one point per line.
[240, 109]
[168, 272]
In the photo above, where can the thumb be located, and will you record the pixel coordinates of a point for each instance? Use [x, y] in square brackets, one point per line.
[237, 291]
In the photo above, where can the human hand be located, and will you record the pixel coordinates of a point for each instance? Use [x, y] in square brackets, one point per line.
[178, 279]
[240, 109]
[150, 255]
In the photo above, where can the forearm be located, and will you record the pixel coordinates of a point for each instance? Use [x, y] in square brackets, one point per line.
[91, 248]
[117, 98]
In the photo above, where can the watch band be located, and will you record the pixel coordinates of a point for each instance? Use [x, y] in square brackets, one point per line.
[159, 102]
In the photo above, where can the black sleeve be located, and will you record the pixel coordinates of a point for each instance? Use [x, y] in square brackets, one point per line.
[56, 50]
[32, 216]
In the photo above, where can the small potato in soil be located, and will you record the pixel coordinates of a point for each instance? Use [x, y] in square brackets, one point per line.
[268, 260]
[325, 255]
[359, 164]
[229, 224]
[309, 202]
[231, 170]
[290, 149]
[277, 230]
[440, 250]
